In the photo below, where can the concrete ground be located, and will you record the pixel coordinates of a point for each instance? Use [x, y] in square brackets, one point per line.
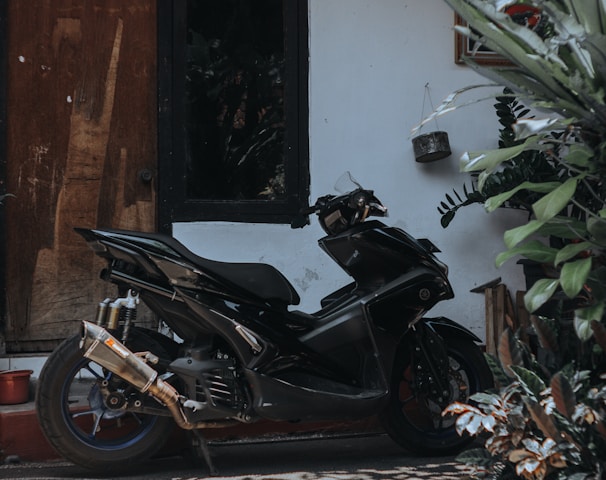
[368, 457]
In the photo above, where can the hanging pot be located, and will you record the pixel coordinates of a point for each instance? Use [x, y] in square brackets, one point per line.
[431, 146]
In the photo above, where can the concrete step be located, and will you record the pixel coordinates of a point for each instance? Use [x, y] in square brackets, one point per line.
[20, 436]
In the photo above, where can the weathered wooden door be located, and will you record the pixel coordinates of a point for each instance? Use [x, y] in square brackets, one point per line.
[81, 148]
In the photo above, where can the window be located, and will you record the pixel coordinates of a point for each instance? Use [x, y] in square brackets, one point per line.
[233, 114]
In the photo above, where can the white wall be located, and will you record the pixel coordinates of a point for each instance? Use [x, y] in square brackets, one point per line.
[369, 63]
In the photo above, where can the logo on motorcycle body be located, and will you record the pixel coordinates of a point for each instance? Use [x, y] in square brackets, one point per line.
[424, 294]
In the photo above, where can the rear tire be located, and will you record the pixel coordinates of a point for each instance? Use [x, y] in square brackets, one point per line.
[79, 425]
[413, 420]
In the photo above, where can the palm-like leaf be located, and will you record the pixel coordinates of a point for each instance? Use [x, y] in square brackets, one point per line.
[561, 69]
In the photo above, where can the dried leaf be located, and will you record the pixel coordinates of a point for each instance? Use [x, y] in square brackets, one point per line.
[517, 455]
[557, 461]
[563, 395]
[599, 333]
[547, 336]
[543, 421]
[534, 467]
[457, 408]
[510, 352]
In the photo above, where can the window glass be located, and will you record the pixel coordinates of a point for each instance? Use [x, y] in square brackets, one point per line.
[233, 140]
[235, 99]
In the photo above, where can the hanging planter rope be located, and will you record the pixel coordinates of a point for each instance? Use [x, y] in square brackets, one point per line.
[431, 146]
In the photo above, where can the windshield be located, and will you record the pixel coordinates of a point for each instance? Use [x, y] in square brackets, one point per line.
[346, 183]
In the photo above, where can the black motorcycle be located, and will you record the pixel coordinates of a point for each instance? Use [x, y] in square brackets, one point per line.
[239, 353]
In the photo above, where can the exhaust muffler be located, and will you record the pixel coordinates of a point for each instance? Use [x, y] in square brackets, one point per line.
[101, 347]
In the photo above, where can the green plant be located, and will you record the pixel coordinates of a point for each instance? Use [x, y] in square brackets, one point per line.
[540, 423]
[562, 72]
[530, 165]
[548, 418]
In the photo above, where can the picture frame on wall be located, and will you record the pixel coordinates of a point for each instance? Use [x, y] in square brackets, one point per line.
[466, 47]
[522, 14]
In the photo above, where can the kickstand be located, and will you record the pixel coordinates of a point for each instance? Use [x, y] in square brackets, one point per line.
[201, 451]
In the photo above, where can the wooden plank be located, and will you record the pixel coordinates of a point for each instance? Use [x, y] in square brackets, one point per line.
[489, 303]
[498, 309]
[523, 317]
[80, 71]
[500, 312]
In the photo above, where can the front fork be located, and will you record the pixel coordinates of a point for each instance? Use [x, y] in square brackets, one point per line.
[430, 360]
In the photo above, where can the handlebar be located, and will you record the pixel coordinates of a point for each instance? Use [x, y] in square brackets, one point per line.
[351, 208]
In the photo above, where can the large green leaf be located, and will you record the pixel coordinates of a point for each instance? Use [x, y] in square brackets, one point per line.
[527, 87]
[563, 227]
[540, 292]
[554, 202]
[516, 235]
[495, 202]
[568, 27]
[576, 93]
[490, 159]
[579, 156]
[574, 275]
[588, 14]
[525, 127]
[582, 327]
[583, 318]
[534, 250]
[570, 251]
[596, 226]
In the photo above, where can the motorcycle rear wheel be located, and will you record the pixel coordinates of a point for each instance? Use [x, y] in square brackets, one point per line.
[78, 424]
[413, 420]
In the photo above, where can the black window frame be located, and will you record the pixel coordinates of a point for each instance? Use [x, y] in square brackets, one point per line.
[173, 205]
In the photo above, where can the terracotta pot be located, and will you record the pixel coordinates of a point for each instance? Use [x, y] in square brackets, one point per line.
[14, 386]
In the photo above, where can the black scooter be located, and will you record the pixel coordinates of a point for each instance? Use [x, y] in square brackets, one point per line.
[238, 354]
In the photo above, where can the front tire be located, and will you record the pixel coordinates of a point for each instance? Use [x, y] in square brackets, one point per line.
[412, 419]
[76, 421]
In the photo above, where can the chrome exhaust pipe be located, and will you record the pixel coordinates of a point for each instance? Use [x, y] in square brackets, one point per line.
[100, 346]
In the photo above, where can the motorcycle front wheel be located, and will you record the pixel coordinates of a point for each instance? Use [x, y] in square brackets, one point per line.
[76, 420]
[412, 419]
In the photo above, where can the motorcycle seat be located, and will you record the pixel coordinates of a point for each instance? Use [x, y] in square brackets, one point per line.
[261, 280]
